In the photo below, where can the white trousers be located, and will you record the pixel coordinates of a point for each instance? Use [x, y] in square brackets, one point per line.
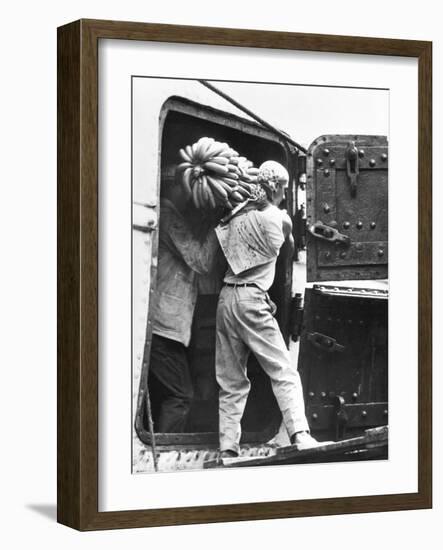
[244, 324]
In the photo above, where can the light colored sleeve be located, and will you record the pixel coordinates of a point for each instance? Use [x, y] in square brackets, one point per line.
[197, 255]
[274, 229]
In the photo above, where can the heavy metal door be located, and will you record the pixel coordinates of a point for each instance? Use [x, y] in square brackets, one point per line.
[347, 208]
[343, 359]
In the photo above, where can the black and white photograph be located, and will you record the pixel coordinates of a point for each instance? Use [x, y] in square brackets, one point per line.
[259, 274]
[218, 249]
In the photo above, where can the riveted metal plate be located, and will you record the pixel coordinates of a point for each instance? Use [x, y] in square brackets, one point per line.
[374, 157]
[357, 375]
[361, 215]
[326, 191]
[358, 415]
[357, 254]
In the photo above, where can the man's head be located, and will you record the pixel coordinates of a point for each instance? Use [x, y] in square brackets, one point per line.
[273, 178]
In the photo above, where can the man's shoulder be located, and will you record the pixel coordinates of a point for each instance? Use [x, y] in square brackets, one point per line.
[270, 218]
[271, 214]
[275, 220]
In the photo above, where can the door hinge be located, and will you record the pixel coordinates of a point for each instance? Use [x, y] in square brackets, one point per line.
[296, 317]
[144, 217]
[301, 161]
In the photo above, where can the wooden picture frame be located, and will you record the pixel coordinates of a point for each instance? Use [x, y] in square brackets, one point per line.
[78, 274]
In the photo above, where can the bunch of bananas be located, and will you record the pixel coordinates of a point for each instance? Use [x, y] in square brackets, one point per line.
[214, 174]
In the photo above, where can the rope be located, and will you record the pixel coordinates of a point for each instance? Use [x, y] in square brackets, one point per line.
[254, 116]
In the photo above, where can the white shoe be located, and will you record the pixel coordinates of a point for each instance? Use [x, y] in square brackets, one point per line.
[304, 440]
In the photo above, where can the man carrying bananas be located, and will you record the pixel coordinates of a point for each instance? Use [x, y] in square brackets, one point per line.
[183, 254]
[251, 241]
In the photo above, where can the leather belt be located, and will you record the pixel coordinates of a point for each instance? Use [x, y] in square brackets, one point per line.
[240, 284]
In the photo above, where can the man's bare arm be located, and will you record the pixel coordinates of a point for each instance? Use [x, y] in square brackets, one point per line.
[287, 231]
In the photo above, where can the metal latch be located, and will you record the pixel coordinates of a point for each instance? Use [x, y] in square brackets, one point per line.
[296, 317]
[328, 233]
[341, 417]
[352, 167]
[326, 343]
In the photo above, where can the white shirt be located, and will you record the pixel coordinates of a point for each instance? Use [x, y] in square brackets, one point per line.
[259, 240]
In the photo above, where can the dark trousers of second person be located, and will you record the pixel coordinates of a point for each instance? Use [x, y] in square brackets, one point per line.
[170, 385]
